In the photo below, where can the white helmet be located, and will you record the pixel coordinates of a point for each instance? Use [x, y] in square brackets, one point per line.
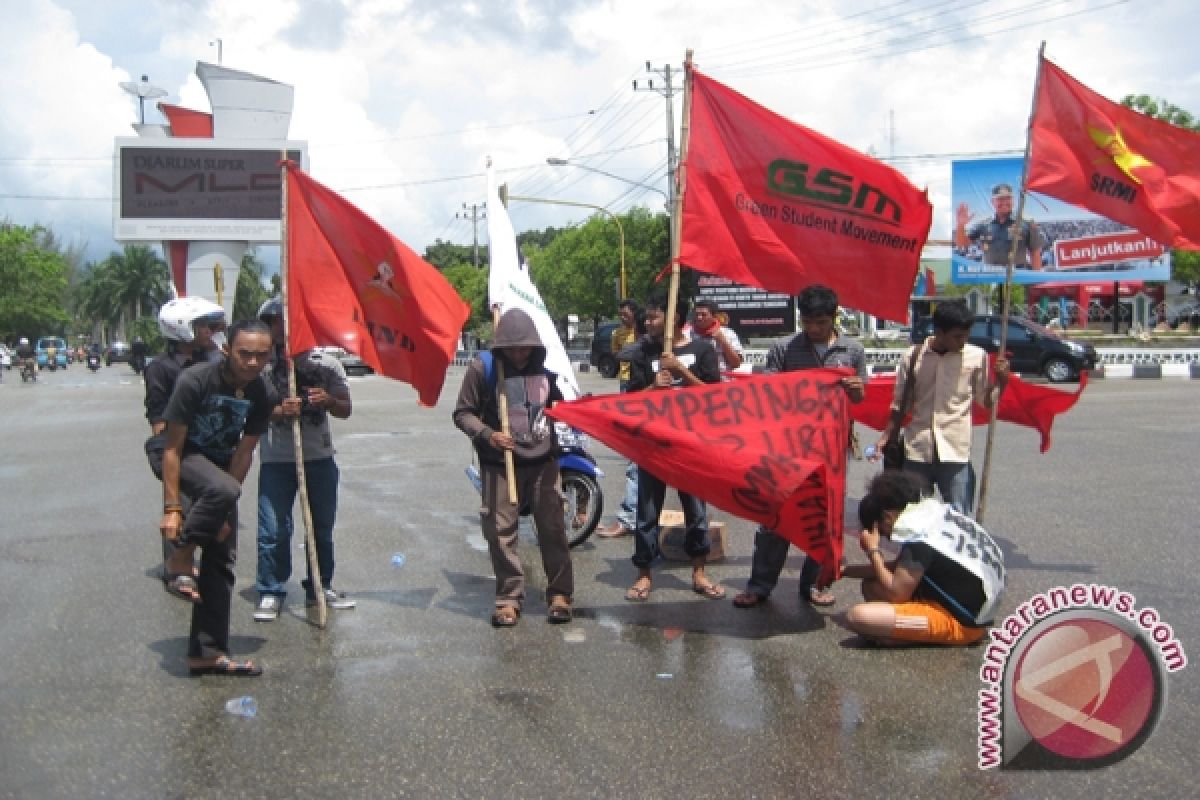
[176, 318]
[23, 341]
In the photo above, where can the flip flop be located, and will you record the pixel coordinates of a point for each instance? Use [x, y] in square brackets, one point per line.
[184, 587]
[558, 613]
[638, 594]
[749, 600]
[710, 590]
[505, 616]
[819, 597]
[227, 666]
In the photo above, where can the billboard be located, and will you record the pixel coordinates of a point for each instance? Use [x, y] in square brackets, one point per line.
[1059, 242]
[199, 189]
[752, 311]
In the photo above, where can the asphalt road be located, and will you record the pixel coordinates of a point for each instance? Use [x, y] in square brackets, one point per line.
[413, 694]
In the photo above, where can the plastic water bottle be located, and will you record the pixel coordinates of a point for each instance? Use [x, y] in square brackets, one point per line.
[474, 477]
[870, 450]
[397, 559]
[242, 706]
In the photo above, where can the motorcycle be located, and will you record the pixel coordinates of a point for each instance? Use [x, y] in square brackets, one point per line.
[138, 363]
[583, 499]
[52, 358]
[93, 362]
[28, 370]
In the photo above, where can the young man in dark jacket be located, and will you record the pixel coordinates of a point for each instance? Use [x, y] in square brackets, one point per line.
[516, 370]
[690, 363]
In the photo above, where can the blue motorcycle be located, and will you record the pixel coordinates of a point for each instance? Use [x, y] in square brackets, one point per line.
[583, 499]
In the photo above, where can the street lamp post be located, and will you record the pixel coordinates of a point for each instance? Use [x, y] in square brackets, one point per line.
[601, 209]
[563, 162]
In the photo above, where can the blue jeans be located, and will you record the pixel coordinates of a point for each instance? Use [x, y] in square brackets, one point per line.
[651, 494]
[955, 482]
[627, 512]
[277, 488]
[770, 553]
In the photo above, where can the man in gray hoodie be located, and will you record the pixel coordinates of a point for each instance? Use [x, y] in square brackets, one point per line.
[515, 367]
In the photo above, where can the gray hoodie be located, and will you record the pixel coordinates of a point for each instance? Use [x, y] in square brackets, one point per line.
[529, 390]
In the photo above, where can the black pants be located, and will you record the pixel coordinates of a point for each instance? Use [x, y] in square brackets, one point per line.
[154, 455]
[214, 494]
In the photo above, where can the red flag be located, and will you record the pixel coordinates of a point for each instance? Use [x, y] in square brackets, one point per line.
[353, 285]
[1112, 160]
[1021, 403]
[768, 448]
[772, 204]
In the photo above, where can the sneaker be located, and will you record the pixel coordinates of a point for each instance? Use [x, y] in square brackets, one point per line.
[268, 608]
[335, 600]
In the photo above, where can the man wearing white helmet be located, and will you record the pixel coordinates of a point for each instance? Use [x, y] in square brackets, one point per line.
[194, 330]
[322, 392]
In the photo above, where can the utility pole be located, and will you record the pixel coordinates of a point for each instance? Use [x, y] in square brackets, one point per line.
[667, 89]
[474, 212]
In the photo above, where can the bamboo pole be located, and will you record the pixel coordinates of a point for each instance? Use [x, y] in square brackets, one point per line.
[676, 211]
[510, 467]
[985, 476]
[310, 541]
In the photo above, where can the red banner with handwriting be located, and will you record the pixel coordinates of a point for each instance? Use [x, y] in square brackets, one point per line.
[767, 448]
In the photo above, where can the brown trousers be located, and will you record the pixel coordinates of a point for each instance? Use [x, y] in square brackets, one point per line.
[537, 488]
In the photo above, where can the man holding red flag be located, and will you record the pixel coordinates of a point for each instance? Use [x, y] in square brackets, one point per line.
[1112, 160]
[772, 204]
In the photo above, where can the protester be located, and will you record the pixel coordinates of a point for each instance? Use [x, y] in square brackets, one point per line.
[214, 419]
[818, 344]
[26, 355]
[193, 329]
[623, 337]
[949, 377]
[691, 363]
[322, 392]
[707, 327]
[515, 367]
[937, 591]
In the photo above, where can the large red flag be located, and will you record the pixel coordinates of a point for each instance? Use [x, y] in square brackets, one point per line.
[772, 204]
[768, 448]
[1021, 404]
[351, 284]
[1114, 161]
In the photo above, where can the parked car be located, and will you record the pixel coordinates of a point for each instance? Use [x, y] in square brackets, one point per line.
[1184, 315]
[1032, 348]
[51, 344]
[117, 351]
[349, 361]
[602, 356]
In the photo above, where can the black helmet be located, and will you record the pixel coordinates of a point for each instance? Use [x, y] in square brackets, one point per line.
[270, 309]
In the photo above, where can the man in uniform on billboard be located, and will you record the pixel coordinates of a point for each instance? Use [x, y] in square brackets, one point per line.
[994, 236]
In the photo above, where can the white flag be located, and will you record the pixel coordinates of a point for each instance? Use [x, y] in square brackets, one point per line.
[509, 286]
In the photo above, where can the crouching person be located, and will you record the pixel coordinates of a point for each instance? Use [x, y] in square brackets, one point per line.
[216, 414]
[947, 581]
[514, 367]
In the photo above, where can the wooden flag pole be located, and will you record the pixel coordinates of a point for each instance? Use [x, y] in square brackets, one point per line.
[510, 467]
[310, 541]
[1007, 299]
[676, 211]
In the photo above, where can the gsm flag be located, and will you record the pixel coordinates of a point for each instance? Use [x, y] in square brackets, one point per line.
[772, 204]
[1112, 160]
[768, 448]
[353, 285]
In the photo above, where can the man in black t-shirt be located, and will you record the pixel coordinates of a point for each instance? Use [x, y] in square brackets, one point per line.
[214, 419]
[946, 583]
[691, 363]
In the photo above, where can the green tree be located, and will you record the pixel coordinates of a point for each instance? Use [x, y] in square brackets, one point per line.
[34, 281]
[472, 286]
[251, 293]
[138, 280]
[444, 255]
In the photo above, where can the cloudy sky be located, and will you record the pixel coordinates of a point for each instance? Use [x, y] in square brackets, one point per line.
[401, 100]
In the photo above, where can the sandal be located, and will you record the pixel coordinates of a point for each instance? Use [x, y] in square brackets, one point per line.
[184, 587]
[227, 666]
[749, 600]
[710, 590]
[559, 611]
[505, 616]
[639, 592]
[819, 597]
